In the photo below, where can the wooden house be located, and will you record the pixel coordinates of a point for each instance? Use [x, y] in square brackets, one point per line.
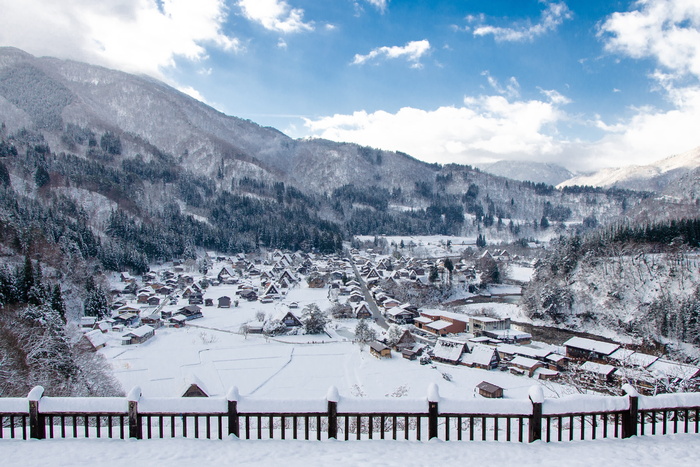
[524, 365]
[406, 341]
[481, 356]
[290, 320]
[224, 302]
[96, 339]
[362, 311]
[193, 387]
[580, 348]
[449, 350]
[208, 302]
[379, 350]
[139, 335]
[191, 312]
[488, 390]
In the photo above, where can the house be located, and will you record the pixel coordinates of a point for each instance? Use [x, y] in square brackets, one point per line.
[290, 320]
[224, 302]
[580, 348]
[441, 322]
[399, 315]
[490, 391]
[478, 325]
[139, 335]
[153, 301]
[191, 312]
[413, 352]
[406, 341]
[449, 350]
[96, 339]
[208, 302]
[178, 320]
[510, 336]
[673, 371]
[481, 356]
[522, 365]
[88, 322]
[362, 311]
[249, 295]
[193, 387]
[379, 350]
[272, 290]
[598, 371]
[126, 277]
[127, 319]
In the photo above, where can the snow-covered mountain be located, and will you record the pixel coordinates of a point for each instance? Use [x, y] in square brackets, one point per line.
[538, 172]
[661, 176]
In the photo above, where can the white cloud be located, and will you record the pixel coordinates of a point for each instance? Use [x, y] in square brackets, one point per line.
[412, 51]
[281, 43]
[483, 128]
[553, 16]
[667, 31]
[275, 15]
[379, 4]
[131, 35]
[511, 89]
[649, 135]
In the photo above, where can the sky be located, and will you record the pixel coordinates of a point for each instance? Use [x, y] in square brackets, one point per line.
[586, 84]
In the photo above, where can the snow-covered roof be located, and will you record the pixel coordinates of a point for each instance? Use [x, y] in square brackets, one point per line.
[448, 349]
[510, 334]
[533, 352]
[525, 362]
[480, 355]
[96, 338]
[423, 320]
[668, 369]
[633, 358]
[604, 348]
[140, 331]
[598, 368]
[439, 324]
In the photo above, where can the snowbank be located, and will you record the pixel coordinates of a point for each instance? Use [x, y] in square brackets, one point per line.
[673, 450]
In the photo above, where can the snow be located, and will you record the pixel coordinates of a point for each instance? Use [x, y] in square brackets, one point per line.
[663, 401]
[14, 405]
[640, 451]
[178, 405]
[584, 403]
[83, 404]
[604, 348]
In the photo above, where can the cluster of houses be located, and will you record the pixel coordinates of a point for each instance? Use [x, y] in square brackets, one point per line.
[607, 362]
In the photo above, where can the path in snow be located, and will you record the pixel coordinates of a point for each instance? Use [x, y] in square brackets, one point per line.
[291, 355]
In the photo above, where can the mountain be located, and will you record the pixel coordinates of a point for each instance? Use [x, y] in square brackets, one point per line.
[538, 172]
[127, 170]
[662, 176]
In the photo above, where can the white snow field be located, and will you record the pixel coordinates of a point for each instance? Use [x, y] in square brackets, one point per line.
[288, 367]
[659, 451]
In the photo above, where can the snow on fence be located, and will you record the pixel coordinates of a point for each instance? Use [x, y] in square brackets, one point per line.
[134, 416]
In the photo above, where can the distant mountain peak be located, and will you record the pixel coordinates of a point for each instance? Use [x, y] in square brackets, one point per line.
[538, 172]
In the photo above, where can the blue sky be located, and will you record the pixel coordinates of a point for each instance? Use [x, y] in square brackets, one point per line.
[586, 84]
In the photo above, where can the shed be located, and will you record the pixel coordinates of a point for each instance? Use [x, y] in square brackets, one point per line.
[193, 387]
[224, 302]
[379, 350]
[489, 390]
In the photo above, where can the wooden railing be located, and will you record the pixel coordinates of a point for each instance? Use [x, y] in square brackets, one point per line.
[524, 420]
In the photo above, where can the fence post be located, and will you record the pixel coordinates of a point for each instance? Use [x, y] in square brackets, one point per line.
[433, 400]
[629, 418]
[332, 397]
[233, 426]
[535, 426]
[37, 425]
[133, 407]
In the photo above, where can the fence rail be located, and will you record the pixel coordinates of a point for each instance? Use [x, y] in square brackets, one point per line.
[528, 420]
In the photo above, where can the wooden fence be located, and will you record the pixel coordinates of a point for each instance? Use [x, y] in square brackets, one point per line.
[527, 420]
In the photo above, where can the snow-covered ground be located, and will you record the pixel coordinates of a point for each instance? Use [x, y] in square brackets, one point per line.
[672, 450]
[213, 351]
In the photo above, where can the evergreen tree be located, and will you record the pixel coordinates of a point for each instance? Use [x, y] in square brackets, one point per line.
[57, 303]
[363, 333]
[96, 302]
[314, 319]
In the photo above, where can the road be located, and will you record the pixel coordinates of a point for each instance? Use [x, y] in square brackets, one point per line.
[376, 314]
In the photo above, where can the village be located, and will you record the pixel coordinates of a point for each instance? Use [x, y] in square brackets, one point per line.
[271, 298]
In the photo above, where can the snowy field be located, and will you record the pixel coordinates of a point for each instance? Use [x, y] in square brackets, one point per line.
[672, 450]
[213, 351]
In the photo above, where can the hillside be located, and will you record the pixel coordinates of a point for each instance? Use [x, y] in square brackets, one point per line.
[666, 176]
[538, 172]
[642, 282]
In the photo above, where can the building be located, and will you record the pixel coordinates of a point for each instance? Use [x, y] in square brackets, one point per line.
[479, 325]
[139, 335]
[379, 350]
[490, 391]
[441, 322]
[580, 348]
[449, 350]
